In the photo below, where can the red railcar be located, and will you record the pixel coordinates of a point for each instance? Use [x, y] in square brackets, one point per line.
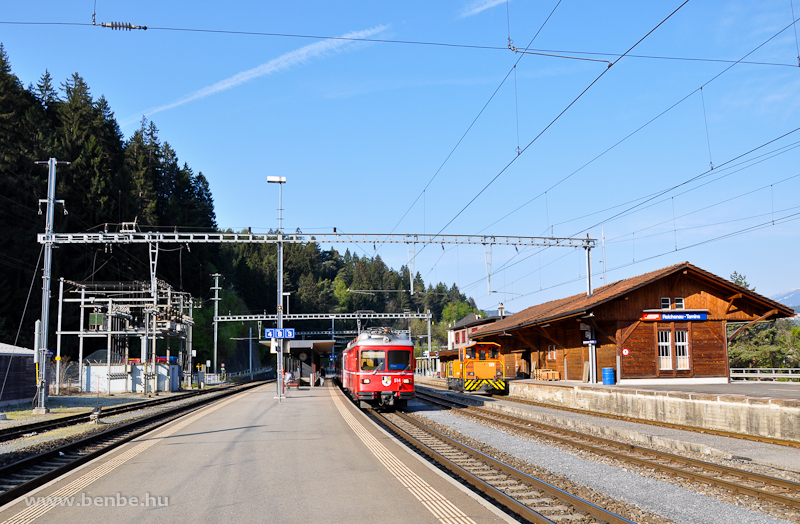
[377, 369]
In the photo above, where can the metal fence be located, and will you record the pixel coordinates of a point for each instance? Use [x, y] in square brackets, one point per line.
[765, 373]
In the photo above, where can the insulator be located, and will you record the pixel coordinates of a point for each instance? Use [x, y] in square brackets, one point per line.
[122, 26]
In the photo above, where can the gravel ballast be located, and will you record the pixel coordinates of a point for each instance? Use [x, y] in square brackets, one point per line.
[652, 495]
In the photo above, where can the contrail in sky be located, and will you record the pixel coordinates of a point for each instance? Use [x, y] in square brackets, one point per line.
[479, 5]
[283, 62]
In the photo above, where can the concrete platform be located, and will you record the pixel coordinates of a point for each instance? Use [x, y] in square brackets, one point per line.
[309, 458]
[770, 410]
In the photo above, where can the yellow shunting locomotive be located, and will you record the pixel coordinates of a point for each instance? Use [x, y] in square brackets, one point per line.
[478, 368]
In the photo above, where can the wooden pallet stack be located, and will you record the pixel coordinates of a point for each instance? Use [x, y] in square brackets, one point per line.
[546, 374]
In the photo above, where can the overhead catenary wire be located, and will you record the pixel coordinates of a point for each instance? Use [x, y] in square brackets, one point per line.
[760, 158]
[640, 128]
[681, 184]
[621, 240]
[474, 120]
[544, 52]
[548, 220]
[554, 120]
[797, 45]
[705, 208]
[705, 119]
[789, 218]
[633, 234]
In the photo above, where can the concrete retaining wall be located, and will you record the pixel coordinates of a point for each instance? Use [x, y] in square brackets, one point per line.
[773, 418]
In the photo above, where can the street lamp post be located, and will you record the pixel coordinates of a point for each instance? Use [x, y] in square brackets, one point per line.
[280, 180]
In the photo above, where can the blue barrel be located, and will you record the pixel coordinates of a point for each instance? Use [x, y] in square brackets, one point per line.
[608, 377]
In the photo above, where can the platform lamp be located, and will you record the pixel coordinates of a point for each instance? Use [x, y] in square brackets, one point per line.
[287, 294]
[280, 180]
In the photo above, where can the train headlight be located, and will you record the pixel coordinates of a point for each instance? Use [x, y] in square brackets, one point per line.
[406, 381]
[365, 381]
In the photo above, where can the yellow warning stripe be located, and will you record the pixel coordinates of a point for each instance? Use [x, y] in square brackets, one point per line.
[441, 508]
[475, 384]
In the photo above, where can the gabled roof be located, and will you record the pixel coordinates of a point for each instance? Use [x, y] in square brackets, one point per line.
[580, 304]
[469, 319]
[473, 319]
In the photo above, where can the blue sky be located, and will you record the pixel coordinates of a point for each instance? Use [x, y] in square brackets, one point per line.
[363, 129]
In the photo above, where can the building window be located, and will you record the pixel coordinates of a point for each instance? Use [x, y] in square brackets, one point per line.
[678, 303]
[458, 337]
[664, 350]
[682, 348]
[664, 302]
[551, 352]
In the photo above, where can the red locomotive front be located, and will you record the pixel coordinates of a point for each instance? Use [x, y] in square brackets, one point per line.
[378, 368]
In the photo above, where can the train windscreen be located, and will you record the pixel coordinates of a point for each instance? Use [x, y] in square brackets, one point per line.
[399, 360]
[372, 360]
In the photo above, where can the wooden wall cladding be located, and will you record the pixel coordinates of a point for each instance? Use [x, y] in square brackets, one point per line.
[606, 357]
[707, 349]
[641, 359]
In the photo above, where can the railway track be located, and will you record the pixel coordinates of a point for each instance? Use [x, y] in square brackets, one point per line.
[23, 476]
[15, 432]
[743, 436]
[763, 487]
[529, 498]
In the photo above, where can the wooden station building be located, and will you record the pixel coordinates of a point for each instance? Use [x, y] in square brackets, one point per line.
[660, 327]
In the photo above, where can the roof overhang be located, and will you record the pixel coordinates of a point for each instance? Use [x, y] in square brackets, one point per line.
[541, 322]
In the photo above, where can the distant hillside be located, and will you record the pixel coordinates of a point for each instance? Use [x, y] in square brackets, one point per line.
[496, 313]
[790, 298]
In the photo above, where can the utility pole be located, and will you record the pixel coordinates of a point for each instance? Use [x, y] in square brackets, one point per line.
[216, 300]
[429, 332]
[280, 180]
[588, 267]
[58, 335]
[50, 202]
[603, 233]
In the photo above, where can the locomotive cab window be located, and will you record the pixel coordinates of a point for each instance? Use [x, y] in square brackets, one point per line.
[482, 354]
[372, 360]
[399, 360]
[469, 353]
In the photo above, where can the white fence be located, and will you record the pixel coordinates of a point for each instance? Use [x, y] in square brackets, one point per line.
[765, 373]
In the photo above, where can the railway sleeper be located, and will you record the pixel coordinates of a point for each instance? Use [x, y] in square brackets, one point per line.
[532, 502]
[563, 518]
[551, 509]
[521, 490]
[467, 463]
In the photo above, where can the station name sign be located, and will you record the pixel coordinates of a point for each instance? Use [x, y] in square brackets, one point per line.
[673, 317]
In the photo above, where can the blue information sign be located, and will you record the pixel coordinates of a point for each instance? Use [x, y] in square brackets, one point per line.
[279, 333]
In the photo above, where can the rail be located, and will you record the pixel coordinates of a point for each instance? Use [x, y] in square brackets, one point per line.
[764, 487]
[765, 373]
